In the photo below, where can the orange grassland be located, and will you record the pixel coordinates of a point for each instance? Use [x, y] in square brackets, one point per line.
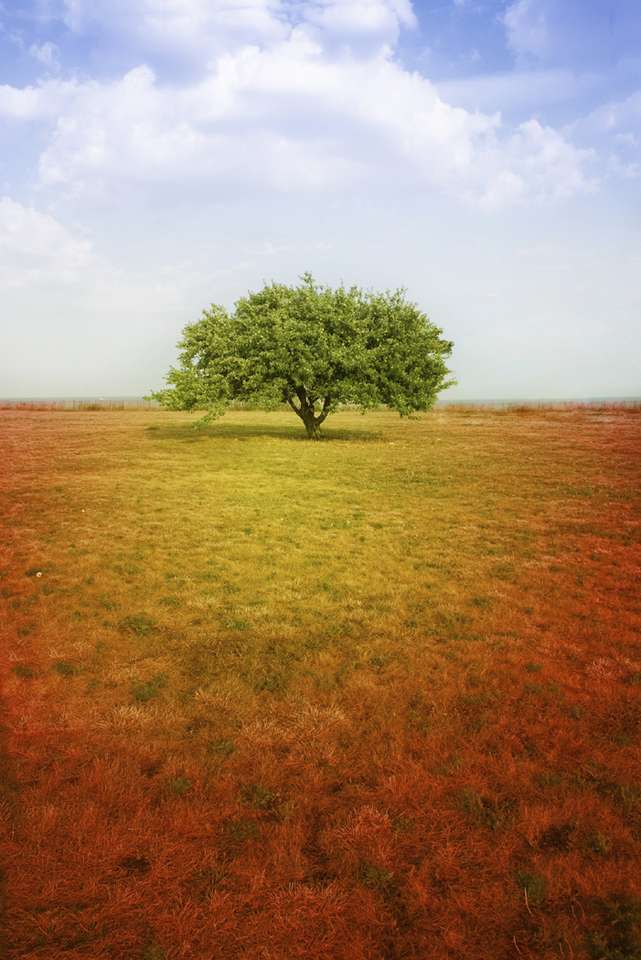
[374, 698]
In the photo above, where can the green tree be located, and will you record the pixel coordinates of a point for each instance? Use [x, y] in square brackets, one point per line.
[314, 348]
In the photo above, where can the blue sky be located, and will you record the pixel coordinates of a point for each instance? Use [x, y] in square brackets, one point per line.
[159, 155]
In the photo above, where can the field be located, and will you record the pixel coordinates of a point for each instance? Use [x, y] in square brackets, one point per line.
[374, 698]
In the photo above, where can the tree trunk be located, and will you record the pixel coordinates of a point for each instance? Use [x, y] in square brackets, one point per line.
[311, 426]
[307, 412]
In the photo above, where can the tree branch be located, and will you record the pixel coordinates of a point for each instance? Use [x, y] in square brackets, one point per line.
[297, 410]
[301, 393]
[325, 411]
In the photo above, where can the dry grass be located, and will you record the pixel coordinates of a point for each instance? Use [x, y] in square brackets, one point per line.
[84, 405]
[377, 698]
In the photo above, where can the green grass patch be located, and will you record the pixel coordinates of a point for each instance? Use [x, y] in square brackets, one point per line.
[145, 690]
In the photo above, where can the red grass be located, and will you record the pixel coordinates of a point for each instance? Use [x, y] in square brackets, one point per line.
[451, 768]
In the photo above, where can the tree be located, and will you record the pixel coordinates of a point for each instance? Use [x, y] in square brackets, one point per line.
[313, 348]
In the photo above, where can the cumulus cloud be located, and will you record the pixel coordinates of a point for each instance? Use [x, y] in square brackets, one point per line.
[616, 124]
[573, 31]
[39, 254]
[538, 163]
[358, 21]
[293, 116]
[183, 25]
[43, 101]
[528, 29]
[619, 118]
[198, 29]
[47, 54]
[36, 248]
[62, 298]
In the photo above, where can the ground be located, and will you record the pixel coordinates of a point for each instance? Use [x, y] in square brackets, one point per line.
[375, 698]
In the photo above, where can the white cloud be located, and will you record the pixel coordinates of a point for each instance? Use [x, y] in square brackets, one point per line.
[200, 29]
[371, 20]
[35, 248]
[63, 300]
[183, 25]
[617, 126]
[618, 118]
[539, 164]
[44, 101]
[293, 116]
[39, 253]
[47, 54]
[135, 130]
[573, 31]
[528, 31]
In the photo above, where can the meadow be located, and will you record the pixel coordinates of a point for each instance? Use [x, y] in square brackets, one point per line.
[374, 698]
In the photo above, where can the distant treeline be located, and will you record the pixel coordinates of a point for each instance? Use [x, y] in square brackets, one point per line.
[480, 406]
[135, 403]
[534, 406]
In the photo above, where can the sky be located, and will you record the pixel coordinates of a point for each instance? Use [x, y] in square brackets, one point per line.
[157, 156]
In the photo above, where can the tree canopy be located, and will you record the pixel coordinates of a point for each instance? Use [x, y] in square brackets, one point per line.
[313, 348]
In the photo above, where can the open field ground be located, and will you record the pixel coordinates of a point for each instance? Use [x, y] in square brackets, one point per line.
[375, 698]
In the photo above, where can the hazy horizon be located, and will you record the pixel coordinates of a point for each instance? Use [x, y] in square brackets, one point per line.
[482, 154]
[443, 398]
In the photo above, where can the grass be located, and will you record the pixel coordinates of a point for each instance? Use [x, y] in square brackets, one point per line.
[375, 698]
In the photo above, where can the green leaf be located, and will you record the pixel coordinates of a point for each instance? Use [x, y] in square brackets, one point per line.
[313, 348]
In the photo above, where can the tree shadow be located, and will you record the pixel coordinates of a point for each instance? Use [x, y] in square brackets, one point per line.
[190, 433]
